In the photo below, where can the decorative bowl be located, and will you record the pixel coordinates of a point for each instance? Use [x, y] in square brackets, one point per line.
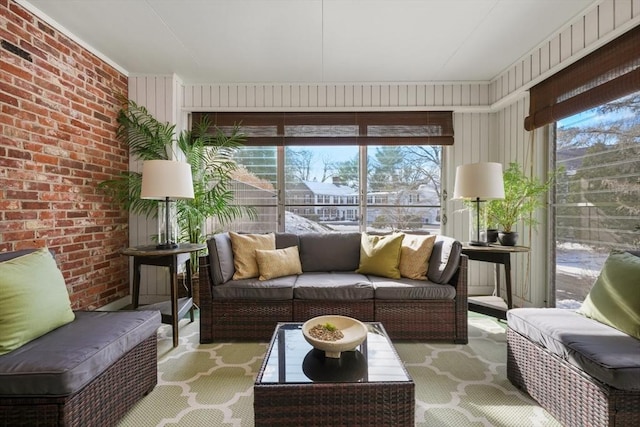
[354, 332]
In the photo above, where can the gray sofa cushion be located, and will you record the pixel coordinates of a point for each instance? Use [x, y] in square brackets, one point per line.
[329, 251]
[221, 266]
[280, 288]
[333, 286]
[64, 360]
[444, 260]
[410, 289]
[286, 240]
[603, 352]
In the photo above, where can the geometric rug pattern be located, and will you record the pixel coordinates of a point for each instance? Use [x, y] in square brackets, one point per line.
[456, 385]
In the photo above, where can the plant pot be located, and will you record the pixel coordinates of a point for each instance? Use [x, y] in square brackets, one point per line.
[492, 235]
[508, 238]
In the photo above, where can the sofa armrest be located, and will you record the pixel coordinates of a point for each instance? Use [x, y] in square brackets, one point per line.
[206, 299]
[460, 282]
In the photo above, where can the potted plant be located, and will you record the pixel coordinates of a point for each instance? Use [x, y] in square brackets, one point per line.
[210, 157]
[523, 195]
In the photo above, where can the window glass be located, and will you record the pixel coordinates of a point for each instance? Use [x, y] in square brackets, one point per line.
[597, 203]
[321, 188]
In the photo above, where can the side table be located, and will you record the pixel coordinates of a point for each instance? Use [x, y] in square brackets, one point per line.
[496, 254]
[149, 255]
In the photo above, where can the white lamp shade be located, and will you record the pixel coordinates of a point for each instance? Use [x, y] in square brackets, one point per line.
[479, 180]
[166, 178]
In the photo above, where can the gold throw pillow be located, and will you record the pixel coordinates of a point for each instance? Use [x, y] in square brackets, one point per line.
[244, 248]
[414, 256]
[278, 263]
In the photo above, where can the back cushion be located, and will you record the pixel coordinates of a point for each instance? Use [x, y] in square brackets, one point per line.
[220, 258]
[330, 251]
[286, 240]
[444, 260]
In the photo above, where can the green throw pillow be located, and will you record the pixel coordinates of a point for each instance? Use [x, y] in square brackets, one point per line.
[33, 299]
[614, 298]
[380, 255]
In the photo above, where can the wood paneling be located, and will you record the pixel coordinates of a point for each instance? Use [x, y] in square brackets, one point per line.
[607, 20]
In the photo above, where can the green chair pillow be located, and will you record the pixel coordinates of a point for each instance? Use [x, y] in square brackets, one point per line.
[380, 255]
[614, 298]
[33, 299]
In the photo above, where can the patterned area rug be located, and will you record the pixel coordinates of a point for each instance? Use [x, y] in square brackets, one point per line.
[456, 385]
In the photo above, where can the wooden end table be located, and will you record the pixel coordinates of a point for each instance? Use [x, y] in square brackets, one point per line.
[496, 254]
[149, 255]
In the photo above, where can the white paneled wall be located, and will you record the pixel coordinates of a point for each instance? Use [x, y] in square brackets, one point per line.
[488, 117]
[159, 94]
[291, 97]
[606, 21]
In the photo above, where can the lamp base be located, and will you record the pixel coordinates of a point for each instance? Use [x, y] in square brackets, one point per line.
[167, 245]
[478, 243]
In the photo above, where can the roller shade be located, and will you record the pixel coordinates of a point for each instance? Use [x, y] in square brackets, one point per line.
[604, 75]
[342, 128]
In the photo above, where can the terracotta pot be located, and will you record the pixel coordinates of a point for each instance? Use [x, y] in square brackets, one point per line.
[508, 239]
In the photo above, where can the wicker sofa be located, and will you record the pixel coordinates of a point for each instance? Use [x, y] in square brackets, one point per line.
[583, 371]
[433, 309]
[88, 372]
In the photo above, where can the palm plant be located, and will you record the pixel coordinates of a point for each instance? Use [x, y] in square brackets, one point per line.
[209, 154]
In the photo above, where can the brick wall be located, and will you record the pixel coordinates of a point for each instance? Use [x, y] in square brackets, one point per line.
[57, 142]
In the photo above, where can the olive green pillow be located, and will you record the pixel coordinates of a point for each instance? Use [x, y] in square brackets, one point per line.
[278, 263]
[614, 298]
[244, 248]
[33, 299]
[380, 255]
[414, 256]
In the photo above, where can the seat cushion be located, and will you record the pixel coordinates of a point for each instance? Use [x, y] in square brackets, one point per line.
[280, 288]
[333, 286]
[603, 352]
[329, 251]
[66, 359]
[410, 289]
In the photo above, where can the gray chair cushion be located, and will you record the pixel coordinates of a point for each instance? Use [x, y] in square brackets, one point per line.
[221, 266]
[409, 289]
[603, 352]
[329, 251]
[445, 259]
[66, 359]
[286, 240]
[280, 288]
[333, 286]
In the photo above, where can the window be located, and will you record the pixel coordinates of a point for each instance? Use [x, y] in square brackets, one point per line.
[304, 171]
[597, 202]
[329, 181]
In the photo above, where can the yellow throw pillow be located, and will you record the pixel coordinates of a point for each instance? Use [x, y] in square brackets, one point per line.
[278, 263]
[33, 299]
[414, 256]
[380, 255]
[244, 248]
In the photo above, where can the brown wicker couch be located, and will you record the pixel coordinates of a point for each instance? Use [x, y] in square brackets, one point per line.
[89, 372]
[583, 372]
[248, 310]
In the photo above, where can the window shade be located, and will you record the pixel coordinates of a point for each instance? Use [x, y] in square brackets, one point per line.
[604, 75]
[344, 128]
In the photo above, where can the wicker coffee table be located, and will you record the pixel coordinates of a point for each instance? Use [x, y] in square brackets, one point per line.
[298, 386]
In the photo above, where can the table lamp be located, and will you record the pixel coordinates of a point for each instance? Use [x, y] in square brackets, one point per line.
[166, 180]
[479, 182]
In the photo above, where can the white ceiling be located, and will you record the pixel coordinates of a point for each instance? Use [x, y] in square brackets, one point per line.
[313, 41]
